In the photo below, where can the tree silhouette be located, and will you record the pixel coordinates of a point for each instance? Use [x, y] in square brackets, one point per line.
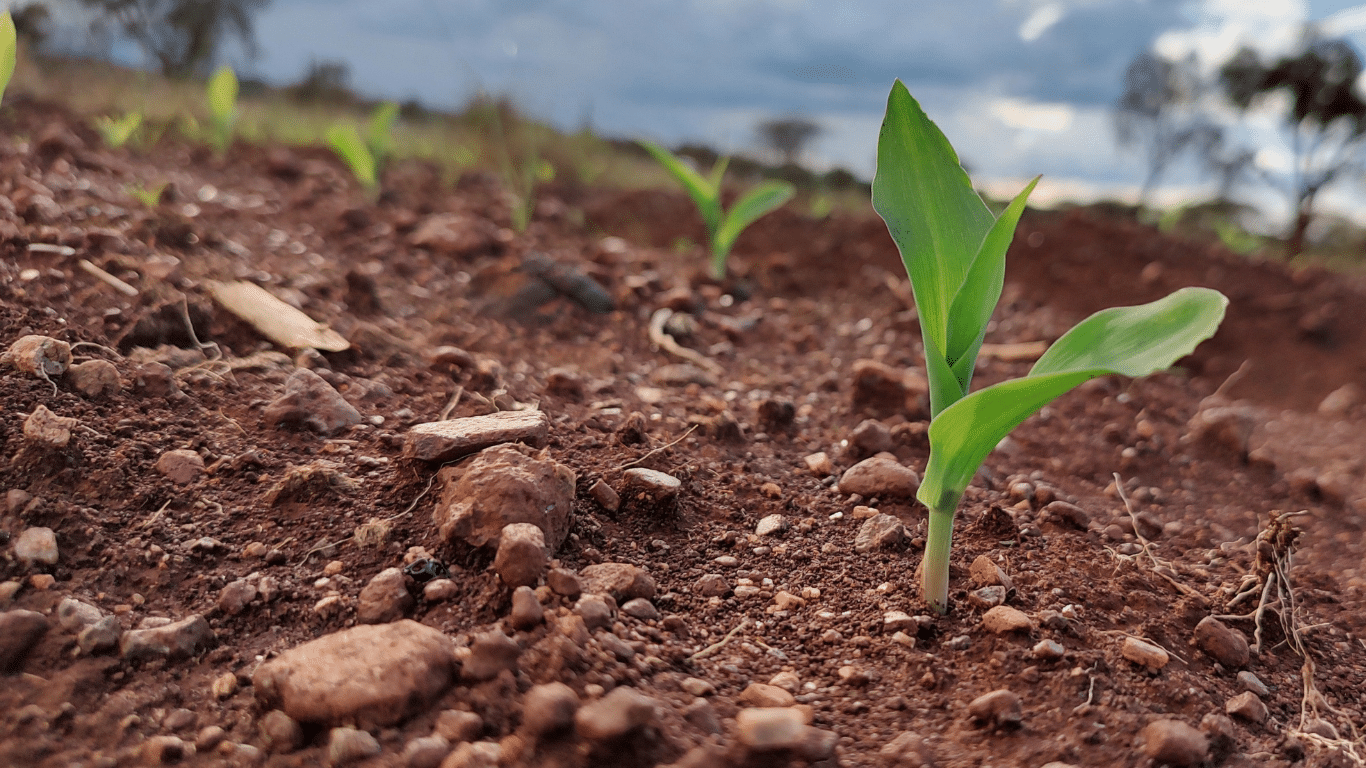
[182, 36]
[1160, 112]
[788, 136]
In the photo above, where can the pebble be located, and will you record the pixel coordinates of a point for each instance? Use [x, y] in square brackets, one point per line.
[526, 609]
[895, 621]
[425, 752]
[1001, 708]
[1143, 654]
[697, 687]
[650, 485]
[870, 437]
[164, 750]
[640, 608]
[618, 713]
[20, 630]
[605, 496]
[209, 736]
[457, 725]
[95, 378]
[442, 441]
[819, 464]
[878, 388]
[75, 615]
[620, 580]
[764, 729]
[1339, 401]
[385, 598]
[987, 597]
[564, 582]
[703, 716]
[501, 486]
[490, 653]
[1247, 706]
[311, 403]
[36, 546]
[280, 733]
[8, 589]
[907, 750]
[179, 639]
[1003, 619]
[1251, 682]
[522, 556]
[772, 525]
[763, 695]
[103, 635]
[476, 754]
[549, 708]
[46, 430]
[984, 572]
[234, 598]
[1049, 650]
[746, 591]
[440, 590]
[224, 686]
[595, 611]
[181, 466]
[1066, 514]
[727, 561]
[180, 719]
[786, 601]
[881, 477]
[369, 674]
[880, 532]
[1225, 645]
[1173, 742]
[349, 745]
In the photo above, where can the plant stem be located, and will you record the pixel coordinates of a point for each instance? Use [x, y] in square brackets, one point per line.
[718, 265]
[934, 578]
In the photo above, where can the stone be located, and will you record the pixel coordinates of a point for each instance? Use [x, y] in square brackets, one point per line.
[309, 402]
[819, 464]
[640, 608]
[442, 441]
[620, 580]
[870, 437]
[385, 598]
[181, 466]
[224, 686]
[703, 716]
[490, 653]
[771, 525]
[457, 725]
[20, 630]
[234, 598]
[527, 612]
[987, 597]
[650, 486]
[595, 611]
[177, 640]
[1224, 644]
[280, 733]
[73, 615]
[1251, 682]
[765, 729]
[425, 752]
[41, 356]
[880, 532]
[880, 477]
[373, 674]
[878, 388]
[907, 750]
[477, 754]
[155, 380]
[521, 557]
[1228, 426]
[1048, 650]
[350, 745]
[899, 621]
[36, 546]
[549, 708]
[8, 589]
[564, 582]
[762, 695]
[605, 496]
[164, 750]
[440, 590]
[1066, 514]
[103, 635]
[95, 378]
[1340, 401]
[1223, 737]
[711, 585]
[1143, 654]
[1247, 706]
[47, 431]
[694, 686]
[209, 736]
[1174, 743]
[984, 572]
[180, 719]
[1001, 708]
[502, 486]
[454, 234]
[1003, 619]
[620, 712]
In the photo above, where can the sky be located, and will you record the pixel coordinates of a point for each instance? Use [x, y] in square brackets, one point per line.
[1021, 87]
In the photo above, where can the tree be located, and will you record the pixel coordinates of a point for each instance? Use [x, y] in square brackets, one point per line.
[1160, 112]
[182, 36]
[788, 136]
[1325, 120]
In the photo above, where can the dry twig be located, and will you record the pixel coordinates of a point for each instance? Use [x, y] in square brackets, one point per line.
[642, 459]
[664, 341]
[719, 644]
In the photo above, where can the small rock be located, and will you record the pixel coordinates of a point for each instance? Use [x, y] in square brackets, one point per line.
[95, 378]
[1143, 654]
[385, 598]
[761, 695]
[649, 486]
[180, 639]
[984, 572]
[280, 733]
[209, 736]
[565, 383]
[1228, 426]
[526, 609]
[234, 598]
[1247, 706]
[595, 611]
[605, 496]
[776, 415]
[8, 589]
[181, 466]
[870, 437]
[1001, 708]
[786, 601]
[457, 725]
[880, 532]
[490, 653]
[164, 750]
[1226, 645]
[440, 590]
[41, 356]
[349, 745]
[819, 464]
[1173, 742]
[155, 380]
[442, 441]
[1003, 619]
[1049, 650]
[878, 388]
[618, 713]
[771, 525]
[311, 403]
[501, 486]
[765, 729]
[703, 717]
[180, 719]
[1337, 403]
[425, 752]
[522, 556]
[987, 597]
[564, 582]
[1066, 514]
[224, 686]
[697, 687]
[19, 631]
[74, 615]
[476, 754]
[103, 635]
[1223, 738]
[620, 580]
[36, 545]
[46, 430]
[549, 708]
[897, 621]
[881, 477]
[640, 608]
[1251, 682]
[907, 750]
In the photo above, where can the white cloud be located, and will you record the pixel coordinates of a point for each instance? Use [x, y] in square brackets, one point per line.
[1033, 116]
[1040, 20]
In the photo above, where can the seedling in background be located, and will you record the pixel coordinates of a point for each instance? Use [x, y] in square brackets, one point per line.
[346, 141]
[723, 227]
[117, 131]
[222, 98]
[150, 197]
[954, 250]
[379, 138]
[9, 50]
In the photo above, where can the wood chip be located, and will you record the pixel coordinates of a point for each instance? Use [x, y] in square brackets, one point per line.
[276, 320]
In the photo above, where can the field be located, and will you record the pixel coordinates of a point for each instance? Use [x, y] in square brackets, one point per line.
[235, 499]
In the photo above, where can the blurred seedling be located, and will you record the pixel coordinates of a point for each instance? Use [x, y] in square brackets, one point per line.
[222, 99]
[9, 50]
[954, 251]
[723, 227]
[366, 155]
[150, 197]
[117, 131]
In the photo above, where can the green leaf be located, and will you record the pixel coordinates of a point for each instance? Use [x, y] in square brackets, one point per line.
[704, 194]
[345, 140]
[222, 94]
[9, 50]
[718, 172]
[117, 132]
[763, 199]
[1131, 341]
[378, 133]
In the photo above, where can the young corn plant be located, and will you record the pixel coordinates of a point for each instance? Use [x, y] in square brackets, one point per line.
[366, 155]
[9, 49]
[379, 133]
[954, 250]
[723, 227]
[222, 98]
[116, 131]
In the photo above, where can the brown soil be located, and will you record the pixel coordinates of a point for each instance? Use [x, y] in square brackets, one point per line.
[809, 299]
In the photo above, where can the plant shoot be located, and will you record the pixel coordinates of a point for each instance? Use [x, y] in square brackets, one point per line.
[9, 50]
[222, 98]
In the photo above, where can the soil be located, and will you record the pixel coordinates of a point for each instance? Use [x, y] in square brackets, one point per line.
[808, 298]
